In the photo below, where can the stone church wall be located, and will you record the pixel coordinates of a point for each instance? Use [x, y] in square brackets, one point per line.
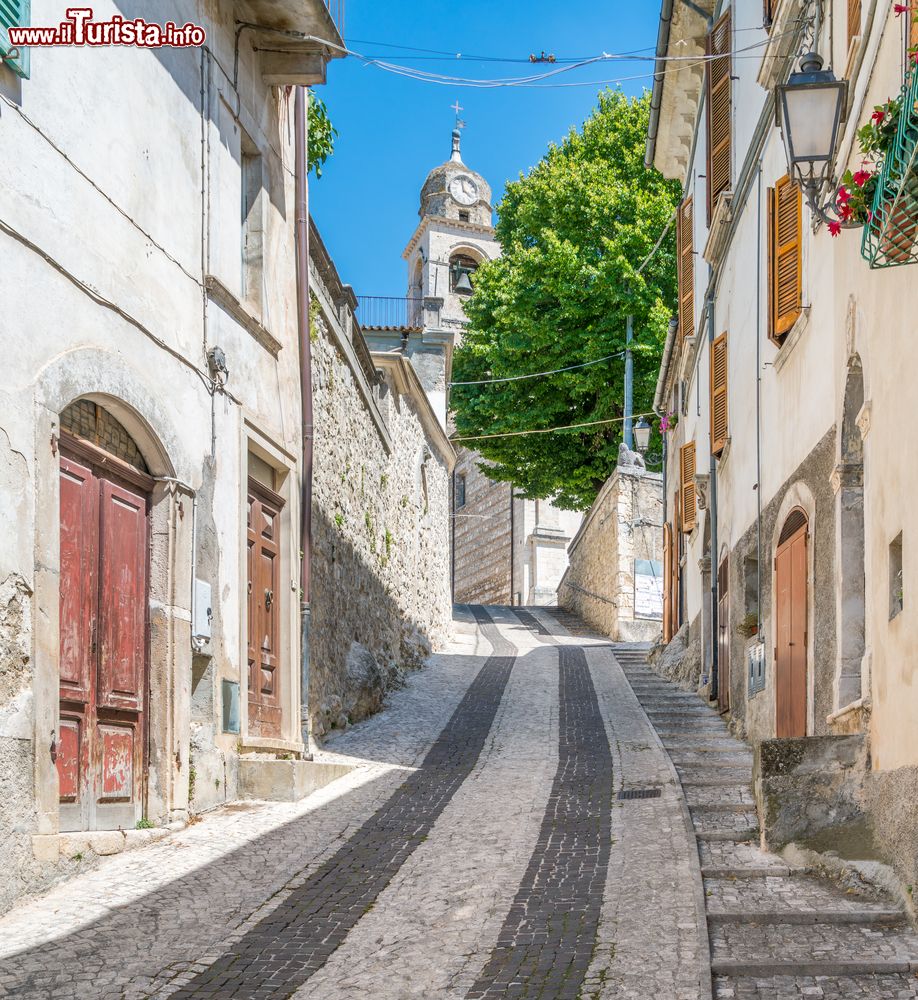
[623, 524]
[381, 591]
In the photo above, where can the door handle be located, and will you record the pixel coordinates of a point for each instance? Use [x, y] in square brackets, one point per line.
[269, 599]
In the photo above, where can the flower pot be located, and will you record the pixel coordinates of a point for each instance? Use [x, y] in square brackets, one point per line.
[900, 228]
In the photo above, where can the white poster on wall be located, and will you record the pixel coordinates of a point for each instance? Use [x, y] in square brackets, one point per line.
[648, 589]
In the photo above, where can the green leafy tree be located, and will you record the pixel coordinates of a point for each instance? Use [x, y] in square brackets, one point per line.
[322, 134]
[573, 234]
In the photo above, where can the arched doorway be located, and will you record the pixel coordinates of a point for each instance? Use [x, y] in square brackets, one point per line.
[849, 521]
[105, 499]
[791, 608]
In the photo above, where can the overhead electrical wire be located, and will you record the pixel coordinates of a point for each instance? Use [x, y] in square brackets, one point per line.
[554, 371]
[549, 430]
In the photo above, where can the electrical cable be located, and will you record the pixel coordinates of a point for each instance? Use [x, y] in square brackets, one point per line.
[549, 430]
[554, 371]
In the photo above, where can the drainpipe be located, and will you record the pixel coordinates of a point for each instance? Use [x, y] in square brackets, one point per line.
[656, 96]
[712, 507]
[512, 548]
[658, 402]
[302, 300]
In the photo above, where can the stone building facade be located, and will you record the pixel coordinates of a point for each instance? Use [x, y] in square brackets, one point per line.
[150, 445]
[504, 549]
[614, 579]
[789, 478]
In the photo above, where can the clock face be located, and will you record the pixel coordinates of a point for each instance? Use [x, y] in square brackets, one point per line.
[464, 190]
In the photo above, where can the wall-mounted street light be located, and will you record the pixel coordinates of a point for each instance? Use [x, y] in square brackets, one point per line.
[810, 109]
[642, 435]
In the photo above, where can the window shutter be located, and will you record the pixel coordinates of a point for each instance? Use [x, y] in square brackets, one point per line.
[854, 20]
[686, 269]
[719, 108]
[785, 257]
[687, 485]
[913, 25]
[14, 13]
[719, 427]
[768, 12]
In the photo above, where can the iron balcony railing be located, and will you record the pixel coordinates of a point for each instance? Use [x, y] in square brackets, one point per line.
[336, 10]
[389, 311]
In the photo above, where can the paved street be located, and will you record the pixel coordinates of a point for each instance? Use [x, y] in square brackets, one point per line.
[514, 826]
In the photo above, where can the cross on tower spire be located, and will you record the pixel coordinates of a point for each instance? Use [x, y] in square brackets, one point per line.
[460, 124]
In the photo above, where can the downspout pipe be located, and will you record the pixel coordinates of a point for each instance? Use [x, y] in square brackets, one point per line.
[712, 507]
[658, 406]
[301, 208]
[659, 75]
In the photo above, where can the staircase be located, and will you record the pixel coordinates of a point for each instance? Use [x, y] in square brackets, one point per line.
[775, 932]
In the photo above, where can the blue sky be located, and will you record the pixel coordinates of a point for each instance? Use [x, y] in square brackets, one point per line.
[393, 130]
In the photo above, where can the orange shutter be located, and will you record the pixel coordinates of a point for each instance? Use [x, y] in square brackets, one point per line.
[687, 485]
[719, 108]
[686, 269]
[719, 427]
[854, 20]
[913, 28]
[667, 582]
[786, 262]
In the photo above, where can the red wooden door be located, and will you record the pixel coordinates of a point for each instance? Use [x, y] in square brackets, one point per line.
[723, 636]
[265, 712]
[791, 612]
[103, 619]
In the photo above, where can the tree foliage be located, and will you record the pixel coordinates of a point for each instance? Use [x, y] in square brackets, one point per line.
[573, 233]
[321, 137]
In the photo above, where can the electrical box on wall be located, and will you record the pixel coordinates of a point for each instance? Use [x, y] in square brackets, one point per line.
[202, 612]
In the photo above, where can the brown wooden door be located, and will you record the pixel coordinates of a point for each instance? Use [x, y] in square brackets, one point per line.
[723, 636]
[103, 647]
[791, 612]
[265, 712]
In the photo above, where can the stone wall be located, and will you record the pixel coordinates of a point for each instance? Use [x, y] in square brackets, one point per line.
[381, 589]
[482, 552]
[624, 524]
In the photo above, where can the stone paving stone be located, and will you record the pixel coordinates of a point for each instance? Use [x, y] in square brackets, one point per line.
[870, 987]
[736, 854]
[709, 821]
[699, 795]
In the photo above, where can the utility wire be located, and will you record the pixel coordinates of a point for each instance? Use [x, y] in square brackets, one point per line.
[554, 371]
[550, 430]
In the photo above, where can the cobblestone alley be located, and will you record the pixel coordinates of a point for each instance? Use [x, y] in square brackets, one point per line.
[536, 815]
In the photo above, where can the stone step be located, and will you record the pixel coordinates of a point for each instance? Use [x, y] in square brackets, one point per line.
[721, 807]
[711, 871]
[714, 783]
[744, 825]
[741, 836]
[807, 917]
[835, 967]
[739, 796]
[788, 895]
[824, 944]
[900, 985]
[735, 855]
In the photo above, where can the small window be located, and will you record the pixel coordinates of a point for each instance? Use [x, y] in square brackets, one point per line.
[460, 491]
[252, 224]
[896, 595]
[463, 216]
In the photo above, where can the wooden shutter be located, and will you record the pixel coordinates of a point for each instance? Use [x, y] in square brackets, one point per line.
[686, 269]
[785, 257]
[912, 36]
[14, 13]
[768, 12]
[719, 427]
[854, 20]
[719, 109]
[687, 485]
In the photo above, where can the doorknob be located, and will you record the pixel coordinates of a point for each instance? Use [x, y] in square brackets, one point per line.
[269, 599]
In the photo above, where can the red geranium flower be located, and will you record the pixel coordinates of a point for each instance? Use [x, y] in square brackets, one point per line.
[861, 177]
[878, 116]
[900, 8]
[843, 196]
[835, 228]
[845, 211]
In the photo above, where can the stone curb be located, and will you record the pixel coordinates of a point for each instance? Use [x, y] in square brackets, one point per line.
[807, 917]
[725, 967]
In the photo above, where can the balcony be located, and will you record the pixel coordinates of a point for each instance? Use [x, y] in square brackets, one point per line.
[383, 312]
[891, 235]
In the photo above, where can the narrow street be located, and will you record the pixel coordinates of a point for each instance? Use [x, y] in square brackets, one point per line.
[520, 822]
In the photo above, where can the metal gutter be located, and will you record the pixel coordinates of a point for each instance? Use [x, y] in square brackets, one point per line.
[659, 75]
[664, 366]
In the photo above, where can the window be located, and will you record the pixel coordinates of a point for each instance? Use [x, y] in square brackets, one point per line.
[461, 268]
[685, 266]
[785, 258]
[719, 428]
[14, 14]
[688, 511]
[896, 595]
[252, 224]
[768, 12]
[719, 111]
[463, 216]
[460, 490]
